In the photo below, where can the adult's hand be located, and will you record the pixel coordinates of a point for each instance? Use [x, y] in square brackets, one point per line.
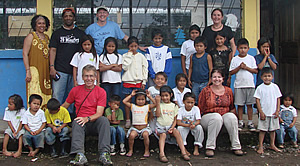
[81, 120]
[28, 76]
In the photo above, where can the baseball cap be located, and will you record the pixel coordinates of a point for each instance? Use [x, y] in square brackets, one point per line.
[71, 9]
[102, 7]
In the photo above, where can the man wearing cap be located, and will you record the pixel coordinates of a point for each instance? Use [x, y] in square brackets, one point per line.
[64, 43]
[103, 29]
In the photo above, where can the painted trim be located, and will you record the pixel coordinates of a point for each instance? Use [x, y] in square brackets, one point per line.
[251, 21]
[44, 7]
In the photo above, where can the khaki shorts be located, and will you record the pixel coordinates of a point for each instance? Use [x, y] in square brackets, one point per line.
[269, 124]
[244, 96]
[140, 132]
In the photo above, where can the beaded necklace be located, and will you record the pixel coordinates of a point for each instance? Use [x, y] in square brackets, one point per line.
[41, 46]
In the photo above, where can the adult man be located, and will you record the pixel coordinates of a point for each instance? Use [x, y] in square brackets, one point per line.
[90, 101]
[63, 45]
[103, 29]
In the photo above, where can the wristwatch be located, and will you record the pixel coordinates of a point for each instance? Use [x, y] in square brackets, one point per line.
[89, 119]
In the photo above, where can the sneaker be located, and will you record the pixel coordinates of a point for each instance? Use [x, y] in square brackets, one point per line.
[112, 151]
[295, 145]
[251, 127]
[127, 124]
[105, 159]
[241, 126]
[64, 154]
[122, 151]
[79, 159]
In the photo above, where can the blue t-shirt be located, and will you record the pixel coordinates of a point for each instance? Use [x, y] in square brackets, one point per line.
[200, 73]
[258, 59]
[110, 29]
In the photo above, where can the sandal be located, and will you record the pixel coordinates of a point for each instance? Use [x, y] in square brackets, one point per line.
[186, 157]
[280, 146]
[163, 159]
[239, 152]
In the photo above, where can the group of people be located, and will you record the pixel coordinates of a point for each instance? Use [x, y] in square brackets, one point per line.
[78, 62]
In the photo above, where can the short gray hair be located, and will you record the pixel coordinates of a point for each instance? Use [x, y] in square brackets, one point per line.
[89, 68]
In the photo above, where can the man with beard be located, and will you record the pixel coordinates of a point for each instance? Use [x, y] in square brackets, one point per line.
[64, 43]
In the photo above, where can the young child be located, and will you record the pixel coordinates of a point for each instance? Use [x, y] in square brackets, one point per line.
[158, 56]
[180, 89]
[160, 79]
[264, 58]
[57, 126]
[13, 115]
[86, 55]
[140, 111]
[135, 74]
[221, 56]
[166, 113]
[34, 122]
[111, 67]
[114, 114]
[287, 119]
[268, 104]
[188, 49]
[244, 66]
[188, 119]
[200, 67]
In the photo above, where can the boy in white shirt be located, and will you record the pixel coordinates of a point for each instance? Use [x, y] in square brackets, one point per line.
[244, 66]
[180, 89]
[268, 105]
[159, 57]
[34, 122]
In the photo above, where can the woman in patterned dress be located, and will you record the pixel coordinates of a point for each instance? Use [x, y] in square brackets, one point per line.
[36, 59]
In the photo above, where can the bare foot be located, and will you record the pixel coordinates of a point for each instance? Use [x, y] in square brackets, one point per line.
[187, 152]
[7, 153]
[17, 154]
[146, 154]
[275, 148]
[196, 151]
[35, 152]
[30, 154]
[129, 154]
[260, 150]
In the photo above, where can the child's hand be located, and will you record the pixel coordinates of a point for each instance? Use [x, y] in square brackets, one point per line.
[148, 93]
[192, 126]
[276, 114]
[75, 83]
[133, 93]
[291, 125]
[143, 86]
[54, 130]
[157, 99]
[262, 116]
[170, 131]
[58, 130]
[266, 52]
[15, 134]
[243, 65]
[190, 84]
[228, 81]
[32, 132]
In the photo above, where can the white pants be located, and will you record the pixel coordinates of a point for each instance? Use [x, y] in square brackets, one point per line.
[197, 132]
[213, 122]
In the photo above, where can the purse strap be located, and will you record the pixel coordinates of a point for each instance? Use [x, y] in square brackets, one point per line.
[83, 101]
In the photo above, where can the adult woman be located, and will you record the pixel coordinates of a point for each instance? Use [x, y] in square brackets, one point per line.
[210, 32]
[36, 59]
[217, 108]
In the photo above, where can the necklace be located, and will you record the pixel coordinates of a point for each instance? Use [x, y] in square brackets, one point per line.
[41, 46]
[217, 27]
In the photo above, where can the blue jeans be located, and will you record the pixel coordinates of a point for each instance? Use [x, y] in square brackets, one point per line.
[111, 89]
[128, 91]
[120, 132]
[293, 132]
[62, 87]
[36, 140]
[197, 88]
[51, 137]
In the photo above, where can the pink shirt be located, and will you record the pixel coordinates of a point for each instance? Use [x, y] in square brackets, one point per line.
[96, 98]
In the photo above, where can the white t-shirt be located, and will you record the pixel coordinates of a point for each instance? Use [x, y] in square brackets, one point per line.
[243, 78]
[268, 95]
[110, 76]
[80, 60]
[158, 57]
[140, 114]
[153, 92]
[187, 49]
[290, 108]
[178, 96]
[34, 122]
[188, 117]
[14, 117]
